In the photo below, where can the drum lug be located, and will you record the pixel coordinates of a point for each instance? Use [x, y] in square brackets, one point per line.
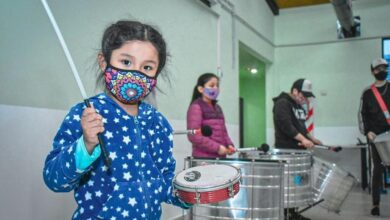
[231, 191]
[197, 197]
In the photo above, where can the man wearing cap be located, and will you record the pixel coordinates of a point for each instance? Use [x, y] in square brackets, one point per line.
[374, 119]
[290, 117]
[289, 122]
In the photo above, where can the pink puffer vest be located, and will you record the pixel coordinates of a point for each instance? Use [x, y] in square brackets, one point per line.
[199, 114]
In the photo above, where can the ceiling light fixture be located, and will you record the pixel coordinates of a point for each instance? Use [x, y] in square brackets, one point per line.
[253, 70]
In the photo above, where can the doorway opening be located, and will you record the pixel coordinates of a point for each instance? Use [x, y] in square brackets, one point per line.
[252, 98]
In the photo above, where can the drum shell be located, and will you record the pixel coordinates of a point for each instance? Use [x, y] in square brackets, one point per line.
[297, 174]
[260, 195]
[382, 144]
[332, 184]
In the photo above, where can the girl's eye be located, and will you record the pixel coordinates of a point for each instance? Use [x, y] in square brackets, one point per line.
[148, 68]
[126, 62]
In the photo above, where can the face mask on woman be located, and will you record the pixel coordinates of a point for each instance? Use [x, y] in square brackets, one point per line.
[211, 93]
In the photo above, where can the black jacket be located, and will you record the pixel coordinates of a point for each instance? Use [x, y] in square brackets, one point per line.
[372, 115]
[289, 120]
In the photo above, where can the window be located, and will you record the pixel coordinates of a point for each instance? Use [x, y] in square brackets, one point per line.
[386, 52]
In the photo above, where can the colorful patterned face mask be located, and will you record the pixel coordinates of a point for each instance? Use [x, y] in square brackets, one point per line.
[211, 93]
[128, 86]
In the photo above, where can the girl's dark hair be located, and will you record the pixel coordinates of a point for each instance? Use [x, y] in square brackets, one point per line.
[125, 30]
[202, 80]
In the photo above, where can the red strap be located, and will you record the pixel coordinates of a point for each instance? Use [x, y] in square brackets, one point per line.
[381, 103]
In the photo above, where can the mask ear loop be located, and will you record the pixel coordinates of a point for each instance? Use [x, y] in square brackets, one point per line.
[107, 160]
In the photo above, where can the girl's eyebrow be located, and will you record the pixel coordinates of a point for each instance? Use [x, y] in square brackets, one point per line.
[126, 55]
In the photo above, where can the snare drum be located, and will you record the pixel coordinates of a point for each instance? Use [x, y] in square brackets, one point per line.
[331, 183]
[207, 183]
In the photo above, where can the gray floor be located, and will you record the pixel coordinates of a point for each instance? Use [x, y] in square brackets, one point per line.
[356, 207]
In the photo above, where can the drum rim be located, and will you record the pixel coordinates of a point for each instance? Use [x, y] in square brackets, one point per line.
[230, 182]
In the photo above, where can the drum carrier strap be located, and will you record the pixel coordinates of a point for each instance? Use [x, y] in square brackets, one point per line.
[381, 103]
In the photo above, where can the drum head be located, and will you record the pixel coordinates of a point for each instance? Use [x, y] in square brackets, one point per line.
[206, 177]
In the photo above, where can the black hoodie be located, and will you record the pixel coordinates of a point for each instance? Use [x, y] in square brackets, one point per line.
[289, 120]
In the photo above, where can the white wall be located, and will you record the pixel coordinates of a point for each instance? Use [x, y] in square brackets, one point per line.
[37, 87]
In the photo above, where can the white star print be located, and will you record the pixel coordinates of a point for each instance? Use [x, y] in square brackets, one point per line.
[108, 134]
[68, 132]
[116, 187]
[76, 117]
[127, 176]
[116, 120]
[98, 193]
[125, 213]
[88, 196]
[143, 154]
[126, 139]
[124, 128]
[132, 202]
[104, 168]
[129, 156]
[113, 155]
[70, 150]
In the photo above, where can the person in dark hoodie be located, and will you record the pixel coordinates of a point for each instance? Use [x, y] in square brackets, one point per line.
[290, 116]
[289, 123]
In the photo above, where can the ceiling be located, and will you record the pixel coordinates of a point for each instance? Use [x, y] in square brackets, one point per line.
[282, 4]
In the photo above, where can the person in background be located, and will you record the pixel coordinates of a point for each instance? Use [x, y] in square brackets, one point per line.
[204, 111]
[374, 120]
[289, 123]
[137, 138]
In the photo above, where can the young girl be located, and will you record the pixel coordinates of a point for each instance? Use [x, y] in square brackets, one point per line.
[204, 110]
[137, 138]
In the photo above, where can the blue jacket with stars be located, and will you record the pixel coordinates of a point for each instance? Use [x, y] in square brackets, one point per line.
[142, 169]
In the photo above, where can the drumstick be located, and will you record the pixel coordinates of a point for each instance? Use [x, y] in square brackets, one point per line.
[263, 147]
[107, 160]
[327, 147]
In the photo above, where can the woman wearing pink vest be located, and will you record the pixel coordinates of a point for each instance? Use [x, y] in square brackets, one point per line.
[204, 111]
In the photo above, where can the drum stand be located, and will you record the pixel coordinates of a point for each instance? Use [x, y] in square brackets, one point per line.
[311, 206]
